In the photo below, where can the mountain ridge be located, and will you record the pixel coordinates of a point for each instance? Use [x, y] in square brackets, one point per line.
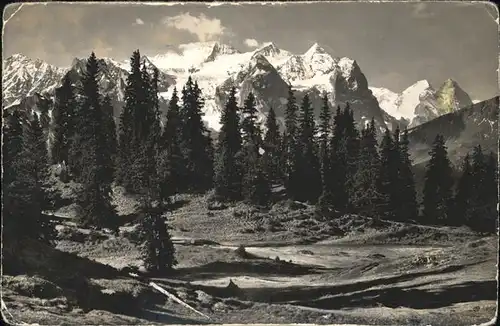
[420, 102]
[215, 65]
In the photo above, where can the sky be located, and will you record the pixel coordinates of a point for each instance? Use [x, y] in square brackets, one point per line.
[394, 43]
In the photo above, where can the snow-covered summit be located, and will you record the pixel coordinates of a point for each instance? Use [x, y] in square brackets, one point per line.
[318, 59]
[216, 67]
[420, 102]
[23, 76]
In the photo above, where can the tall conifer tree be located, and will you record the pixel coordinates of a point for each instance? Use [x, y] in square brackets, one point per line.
[438, 184]
[63, 124]
[128, 122]
[366, 198]
[196, 142]
[272, 143]
[308, 164]
[95, 196]
[290, 144]
[171, 165]
[464, 193]
[407, 204]
[228, 173]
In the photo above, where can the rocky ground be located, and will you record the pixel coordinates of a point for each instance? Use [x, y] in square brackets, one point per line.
[241, 264]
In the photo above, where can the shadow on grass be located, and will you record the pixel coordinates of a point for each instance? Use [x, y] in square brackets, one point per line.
[261, 267]
[167, 316]
[305, 294]
[408, 297]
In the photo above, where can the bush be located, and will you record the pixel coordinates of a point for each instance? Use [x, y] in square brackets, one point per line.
[241, 252]
[133, 236]
[95, 236]
[32, 286]
[72, 234]
[214, 203]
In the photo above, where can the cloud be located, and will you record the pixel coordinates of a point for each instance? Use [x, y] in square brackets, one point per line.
[203, 27]
[251, 42]
[139, 21]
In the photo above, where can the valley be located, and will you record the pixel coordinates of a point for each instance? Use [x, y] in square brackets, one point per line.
[368, 273]
[271, 219]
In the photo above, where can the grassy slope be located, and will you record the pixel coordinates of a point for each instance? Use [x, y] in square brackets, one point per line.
[53, 291]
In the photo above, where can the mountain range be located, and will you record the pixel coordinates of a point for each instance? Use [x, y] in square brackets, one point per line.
[217, 67]
[421, 103]
[266, 71]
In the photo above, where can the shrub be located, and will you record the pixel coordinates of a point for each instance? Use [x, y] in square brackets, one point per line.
[72, 234]
[32, 286]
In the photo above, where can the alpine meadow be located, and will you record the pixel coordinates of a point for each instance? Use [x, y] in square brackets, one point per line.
[228, 163]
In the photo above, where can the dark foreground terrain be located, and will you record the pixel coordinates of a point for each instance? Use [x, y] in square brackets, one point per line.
[283, 266]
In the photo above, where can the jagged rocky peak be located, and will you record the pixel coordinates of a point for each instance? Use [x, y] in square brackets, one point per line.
[319, 59]
[258, 64]
[268, 49]
[315, 49]
[220, 49]
[451, 97]
[17, 57]
[294, 68]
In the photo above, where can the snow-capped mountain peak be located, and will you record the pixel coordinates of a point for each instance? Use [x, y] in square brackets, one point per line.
[318, 59]
[315, 48]
[412, 96]
[220, 49]
[23, 76]
[265, 72]
[268, 49]
[420, 102]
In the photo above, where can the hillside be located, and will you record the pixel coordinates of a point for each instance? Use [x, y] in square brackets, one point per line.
[462, 130]
[279, 272]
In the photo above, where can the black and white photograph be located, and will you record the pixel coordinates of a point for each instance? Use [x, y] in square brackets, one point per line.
[196, 163]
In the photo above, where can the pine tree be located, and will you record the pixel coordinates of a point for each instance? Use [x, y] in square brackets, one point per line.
[157, 249]
[171, 165]
[335, 195]
[387, 177]
[256, 184]
[128, 122]
[350, 152]
[344, 147]
[366, 198]
[463, 197]
[438, 184]
[95, 196]
[155, 109]
[110, 132]
[272, 150]
[63, 124]
[43, 107]
[482, 209]
[196, 142]
[309, 174]
[228, 173]
[491, 193]
[249, 128]
[290, 144]
[407, 205]
[25, 163]
[34, 145]
[324, 136]
[12, 145]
